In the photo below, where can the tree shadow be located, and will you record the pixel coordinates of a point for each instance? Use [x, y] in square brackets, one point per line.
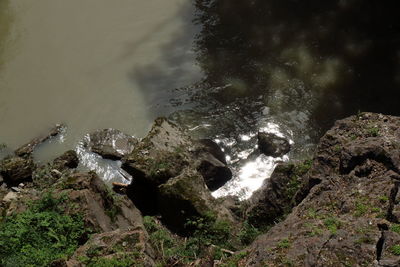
[332, 58]
[159, 81]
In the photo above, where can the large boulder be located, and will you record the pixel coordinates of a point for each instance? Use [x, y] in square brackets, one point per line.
[273, 145]
[110, 143]
[16, 170]
[348, 213]
[164, 157]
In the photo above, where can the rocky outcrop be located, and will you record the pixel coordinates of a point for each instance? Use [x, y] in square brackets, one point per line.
[110, 143]
[273, 145]
[348, 216]
[170, 172]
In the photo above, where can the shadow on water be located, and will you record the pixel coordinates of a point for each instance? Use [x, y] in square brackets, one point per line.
[328, 59]
[175, 68]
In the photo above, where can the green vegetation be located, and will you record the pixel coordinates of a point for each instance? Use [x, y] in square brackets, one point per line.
[248, 233]
[395, 228]
[235, 259]
[383, 199]
[123, 260]
[284, 243]
[332, 224]
[395, 250]
[41, 234]
[361, 209]
[373, 131]
[208, 232]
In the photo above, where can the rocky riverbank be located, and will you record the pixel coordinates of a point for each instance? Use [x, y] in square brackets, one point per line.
[339, 209]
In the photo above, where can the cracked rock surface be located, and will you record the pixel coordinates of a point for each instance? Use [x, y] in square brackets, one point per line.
[350, 206]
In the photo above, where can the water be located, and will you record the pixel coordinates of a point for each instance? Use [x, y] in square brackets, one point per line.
[92, 64]
[222, 69]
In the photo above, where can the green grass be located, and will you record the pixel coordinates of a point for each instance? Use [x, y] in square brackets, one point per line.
[284, 243]
[395, 250]
[395, 228]
[332, 224]
[41, 234]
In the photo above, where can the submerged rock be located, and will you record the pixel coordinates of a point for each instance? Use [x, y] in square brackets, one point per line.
[111, 143]
[273, 145]
[346, 216]
[28, 148]
[16, 170]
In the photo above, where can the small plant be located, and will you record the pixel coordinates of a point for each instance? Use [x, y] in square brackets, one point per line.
[361, 209]
[332, 224]
[234, 260]
[395, 228]
[373, 131]
[248, 233]
[395, 250]
[383, 199]
[284, 243]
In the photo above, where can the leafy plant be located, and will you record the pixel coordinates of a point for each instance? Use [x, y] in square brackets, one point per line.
[41, 234]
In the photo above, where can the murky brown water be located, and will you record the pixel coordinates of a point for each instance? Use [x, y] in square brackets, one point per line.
[91, 64]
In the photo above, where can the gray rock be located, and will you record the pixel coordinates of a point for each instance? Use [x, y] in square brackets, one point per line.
[273, 145]
[111, 143]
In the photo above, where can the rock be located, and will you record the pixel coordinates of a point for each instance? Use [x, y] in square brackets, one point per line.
[347, 201]
[10, 197]
[213, 148]
[68, 160]
[102, 208]
[273, 145]
[161, 161]
[211, 163]
[111, 143]
[124, 245]
[16, 170]
[28, 148]
[186, 196]
[276, 196]
[1, 179]
[214, 172]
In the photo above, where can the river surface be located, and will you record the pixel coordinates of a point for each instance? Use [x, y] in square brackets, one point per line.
[221, 69]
